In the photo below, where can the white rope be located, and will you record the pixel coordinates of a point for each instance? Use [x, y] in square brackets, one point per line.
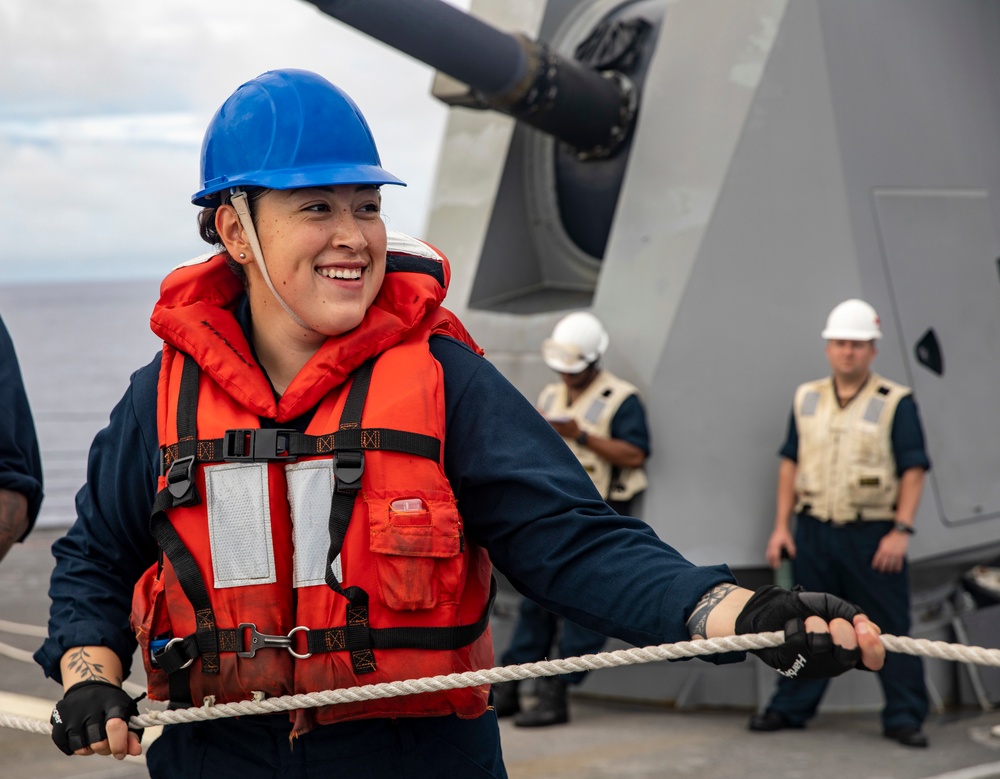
[22, 630]
[25, 723]
[912, 646]
[16, 654]
[942, 650]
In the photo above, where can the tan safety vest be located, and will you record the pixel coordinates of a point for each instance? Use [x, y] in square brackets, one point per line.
[593, 411]
[846, 470]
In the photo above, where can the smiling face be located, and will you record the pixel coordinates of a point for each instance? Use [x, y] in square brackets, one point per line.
[325, 253]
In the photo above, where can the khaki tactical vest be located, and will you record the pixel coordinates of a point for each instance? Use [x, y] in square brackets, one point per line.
[594, 410]
[846, 470]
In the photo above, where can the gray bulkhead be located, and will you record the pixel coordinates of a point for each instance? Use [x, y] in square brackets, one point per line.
[788, 154]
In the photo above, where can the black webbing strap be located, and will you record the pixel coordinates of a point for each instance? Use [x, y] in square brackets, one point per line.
[180, 653]
[351, 637]
[180, 474]
[263, 444]
[348, 465]
[180, 491]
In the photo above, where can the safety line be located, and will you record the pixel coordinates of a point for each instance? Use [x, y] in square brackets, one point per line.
[22, 629]
[260, 705]
[16, 654]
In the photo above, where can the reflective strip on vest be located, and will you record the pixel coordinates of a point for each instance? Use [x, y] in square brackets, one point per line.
[239, 524]
[310, 490]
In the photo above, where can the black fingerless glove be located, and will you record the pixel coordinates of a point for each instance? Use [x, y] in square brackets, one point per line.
[802, 655]
[79, 719]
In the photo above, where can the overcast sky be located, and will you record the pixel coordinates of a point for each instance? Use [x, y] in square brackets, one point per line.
[103, 104]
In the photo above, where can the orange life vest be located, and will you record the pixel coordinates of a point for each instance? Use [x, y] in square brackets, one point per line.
[297, 562]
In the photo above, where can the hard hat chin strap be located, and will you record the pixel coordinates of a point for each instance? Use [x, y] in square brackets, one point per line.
[239, 201]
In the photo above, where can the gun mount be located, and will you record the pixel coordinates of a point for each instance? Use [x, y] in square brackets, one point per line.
[585, 101]
[590, 110]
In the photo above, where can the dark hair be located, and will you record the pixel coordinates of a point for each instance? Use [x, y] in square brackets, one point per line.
[206, 225]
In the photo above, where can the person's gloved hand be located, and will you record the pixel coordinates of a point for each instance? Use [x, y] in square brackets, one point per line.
[803, 655]
[79, 719]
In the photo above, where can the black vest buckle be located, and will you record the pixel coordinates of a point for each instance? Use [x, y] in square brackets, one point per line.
[180, 481]
[347, 469]
[254, 445]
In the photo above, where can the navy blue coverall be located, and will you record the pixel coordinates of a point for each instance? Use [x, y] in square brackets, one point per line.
[838, 559]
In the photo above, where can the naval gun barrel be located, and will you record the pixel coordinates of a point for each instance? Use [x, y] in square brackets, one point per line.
[590, 111]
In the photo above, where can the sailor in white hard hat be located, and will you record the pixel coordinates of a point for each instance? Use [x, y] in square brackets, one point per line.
[602, 420]
[851, 474]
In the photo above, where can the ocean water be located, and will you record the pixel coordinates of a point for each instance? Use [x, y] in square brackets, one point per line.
[77, 344]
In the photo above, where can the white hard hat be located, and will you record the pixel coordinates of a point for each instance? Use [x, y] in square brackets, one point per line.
[578, 340]
[852, 320]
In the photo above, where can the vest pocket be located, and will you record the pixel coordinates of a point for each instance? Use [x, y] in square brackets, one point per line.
[150, 621]
[417, 543]
[870, 487]
[871, 483]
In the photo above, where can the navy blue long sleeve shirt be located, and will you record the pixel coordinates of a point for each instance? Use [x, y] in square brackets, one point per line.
[20, 461]
[629, 424]
[522, 495]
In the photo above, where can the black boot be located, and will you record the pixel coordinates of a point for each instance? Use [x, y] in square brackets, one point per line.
[552, 708]
[505, 699]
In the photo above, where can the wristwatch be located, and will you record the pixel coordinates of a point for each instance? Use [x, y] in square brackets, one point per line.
[582, 438]
[902, 527]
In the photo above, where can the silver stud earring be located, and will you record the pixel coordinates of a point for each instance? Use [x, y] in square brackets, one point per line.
[242, 256]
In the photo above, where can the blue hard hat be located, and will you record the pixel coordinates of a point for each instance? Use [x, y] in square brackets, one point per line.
[287, 129]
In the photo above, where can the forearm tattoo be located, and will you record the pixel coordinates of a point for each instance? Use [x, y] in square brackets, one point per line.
[698, 621]
[80, 663]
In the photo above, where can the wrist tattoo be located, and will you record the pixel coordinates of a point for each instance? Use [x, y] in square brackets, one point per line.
[698, 621]
[80, 662]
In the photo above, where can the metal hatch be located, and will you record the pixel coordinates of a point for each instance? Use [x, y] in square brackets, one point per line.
[941, 252]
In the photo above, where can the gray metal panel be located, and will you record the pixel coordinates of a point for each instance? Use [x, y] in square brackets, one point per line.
[772, 263]
[940, 249]
[916, 104]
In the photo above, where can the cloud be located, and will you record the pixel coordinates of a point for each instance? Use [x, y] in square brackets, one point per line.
[158, 129]
[103, 105]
